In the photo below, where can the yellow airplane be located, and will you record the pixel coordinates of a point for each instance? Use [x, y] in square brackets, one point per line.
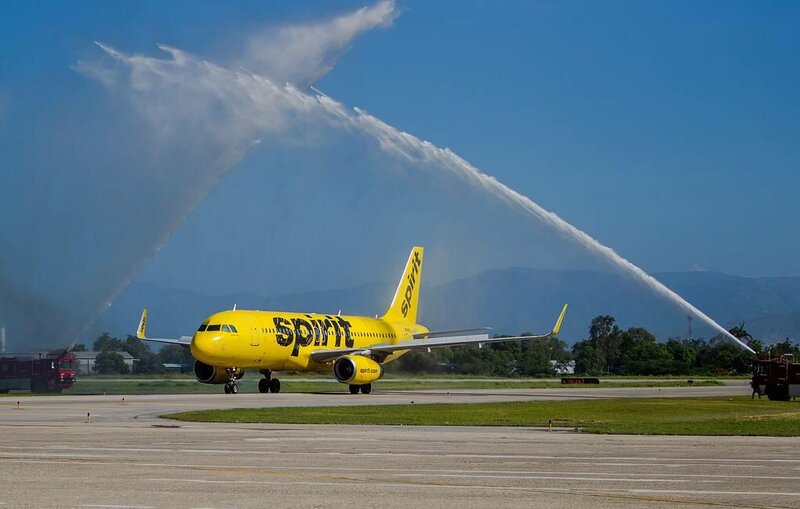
[354, 347]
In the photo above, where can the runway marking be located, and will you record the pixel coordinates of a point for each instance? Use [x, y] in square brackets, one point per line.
[42, 455]
[658, 461]
[311, 439]
[119, 506]
[509, 475]
[552, 478]
[704, 492]
[473, 486]
[671, 465]
[344, 483]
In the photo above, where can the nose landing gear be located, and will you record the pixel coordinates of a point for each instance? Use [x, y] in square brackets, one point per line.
[268, 384]
[231, 387]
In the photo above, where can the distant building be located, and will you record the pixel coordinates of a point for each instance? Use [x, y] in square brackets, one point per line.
[85, 361]
[563, 368]
[183, 368]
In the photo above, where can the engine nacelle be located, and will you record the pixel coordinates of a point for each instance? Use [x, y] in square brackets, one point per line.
[213, 374]
[356, 370]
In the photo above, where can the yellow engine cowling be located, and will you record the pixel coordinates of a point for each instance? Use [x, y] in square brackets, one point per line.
[356, 370]
[213, 374]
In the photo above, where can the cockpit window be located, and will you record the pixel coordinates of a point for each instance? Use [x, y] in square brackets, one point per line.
[214, 327]
[202, 327]
[233, 329]
[226, 328]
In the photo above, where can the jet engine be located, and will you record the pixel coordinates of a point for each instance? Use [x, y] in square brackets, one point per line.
[213, 374]
[356, 370]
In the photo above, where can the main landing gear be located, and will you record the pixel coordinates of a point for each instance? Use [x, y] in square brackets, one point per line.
[365, 389]
[268, 384]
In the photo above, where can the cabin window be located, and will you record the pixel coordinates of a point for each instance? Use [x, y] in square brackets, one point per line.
[233, 328]
[226, 328]
[202, 327]
[214, 327]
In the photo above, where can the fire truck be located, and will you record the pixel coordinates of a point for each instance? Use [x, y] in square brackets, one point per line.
[48, 372]
[778, 378]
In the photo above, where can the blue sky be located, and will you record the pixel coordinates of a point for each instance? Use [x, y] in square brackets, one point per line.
[667, 130]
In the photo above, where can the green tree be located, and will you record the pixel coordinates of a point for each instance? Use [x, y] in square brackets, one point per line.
[684, 355]
[784, 347]
[145, 360]
[589, 357]
[740, 333]
[415, 362]
[175, 354]
[604, 334]
[107, 363]
[641, 354]
[538, 354]
[106, 343]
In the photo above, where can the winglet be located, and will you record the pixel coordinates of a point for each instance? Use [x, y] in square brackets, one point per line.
[560, 319]
[140, 331]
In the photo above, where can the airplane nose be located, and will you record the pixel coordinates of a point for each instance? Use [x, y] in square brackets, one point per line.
[203, 347]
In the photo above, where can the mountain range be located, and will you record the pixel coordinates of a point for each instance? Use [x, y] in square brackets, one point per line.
[511, 300]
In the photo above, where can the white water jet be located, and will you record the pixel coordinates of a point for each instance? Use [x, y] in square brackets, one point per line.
[423, 152]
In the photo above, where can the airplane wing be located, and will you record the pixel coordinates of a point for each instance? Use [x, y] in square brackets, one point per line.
[439, 333]
[427, 344]
[184, 341]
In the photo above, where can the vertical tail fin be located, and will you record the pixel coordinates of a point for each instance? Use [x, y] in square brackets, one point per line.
[406, 299]
[142, 328]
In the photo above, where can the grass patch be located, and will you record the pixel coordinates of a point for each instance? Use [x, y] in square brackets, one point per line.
[661, 416]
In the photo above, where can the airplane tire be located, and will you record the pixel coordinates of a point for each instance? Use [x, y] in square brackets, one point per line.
[354, 389]
[275, 385]
[263, 385]
[366, 388]
[227, 389]
[234, 388]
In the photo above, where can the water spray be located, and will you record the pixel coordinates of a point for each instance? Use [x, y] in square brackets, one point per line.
[423, 152]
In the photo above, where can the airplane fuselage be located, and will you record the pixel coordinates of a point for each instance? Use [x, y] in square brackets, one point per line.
[283, 341]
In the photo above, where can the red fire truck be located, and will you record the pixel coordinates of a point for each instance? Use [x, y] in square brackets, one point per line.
[51, 372]
[778, 378]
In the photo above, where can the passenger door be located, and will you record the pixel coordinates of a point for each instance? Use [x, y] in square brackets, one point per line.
[255, 335]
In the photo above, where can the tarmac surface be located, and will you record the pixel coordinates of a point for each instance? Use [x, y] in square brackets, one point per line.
[128, 457]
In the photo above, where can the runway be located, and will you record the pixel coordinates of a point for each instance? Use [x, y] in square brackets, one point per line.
[127, 457]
